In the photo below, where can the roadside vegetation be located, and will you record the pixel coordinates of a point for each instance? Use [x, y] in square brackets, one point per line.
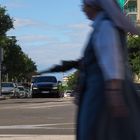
[16, 64]
[134, 54]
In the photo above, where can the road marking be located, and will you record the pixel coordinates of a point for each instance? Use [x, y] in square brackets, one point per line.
[41, 126]
[50, 106]
[34, 106]
[37, 137]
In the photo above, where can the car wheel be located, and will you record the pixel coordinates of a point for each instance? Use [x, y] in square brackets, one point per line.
[58, 95]
[34, 96]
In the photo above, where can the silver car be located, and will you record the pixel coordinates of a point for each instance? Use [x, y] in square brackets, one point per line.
[22, 92]
[9, 89]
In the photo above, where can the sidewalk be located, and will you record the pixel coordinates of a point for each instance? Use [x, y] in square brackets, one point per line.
[37, 137]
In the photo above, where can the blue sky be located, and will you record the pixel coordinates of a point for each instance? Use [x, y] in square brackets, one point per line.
[48, 31]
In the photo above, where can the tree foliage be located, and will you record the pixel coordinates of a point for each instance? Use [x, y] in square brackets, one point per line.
[134, 54]
[17, 64]
[6, 22]
[72, 80]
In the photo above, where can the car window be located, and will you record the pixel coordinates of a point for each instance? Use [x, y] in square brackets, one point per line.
[7, 85]
[44, 79]
[21, 88]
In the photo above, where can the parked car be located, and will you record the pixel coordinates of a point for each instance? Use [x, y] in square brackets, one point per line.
[28, 92]
[22, 92]
[41, 86]
[68, 93]
[9, 89]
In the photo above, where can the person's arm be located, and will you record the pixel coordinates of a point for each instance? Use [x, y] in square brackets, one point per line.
[64, 66]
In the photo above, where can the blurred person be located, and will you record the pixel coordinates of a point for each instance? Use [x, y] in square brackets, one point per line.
[108, 107]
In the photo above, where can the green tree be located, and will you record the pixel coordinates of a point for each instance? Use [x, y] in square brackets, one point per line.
[16, 62]
[30, 66]
[72, 80]
[134, 54]
[6, 22]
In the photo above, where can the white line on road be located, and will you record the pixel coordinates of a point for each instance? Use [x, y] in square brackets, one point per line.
[34, 106]
[50, 106]
[37, 137]
[41, 126]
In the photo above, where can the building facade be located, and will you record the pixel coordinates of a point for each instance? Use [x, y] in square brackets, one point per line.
[65, 81]
[132, 9]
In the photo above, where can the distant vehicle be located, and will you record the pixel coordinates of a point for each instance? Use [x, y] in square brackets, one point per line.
[28, 92]
[9, 89]
[68, 93]
[41, 86]
[22, 92]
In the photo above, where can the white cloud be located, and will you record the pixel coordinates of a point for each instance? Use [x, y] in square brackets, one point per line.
[80, 26]
[25, 22]
[78, 33]
[36, 40]
[31, 38]
[50, 54]
[73, 33]
[46, 50]
[15, 4]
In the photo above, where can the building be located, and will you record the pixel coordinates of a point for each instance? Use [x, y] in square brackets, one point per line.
[132, 9]
[64, 81]
[138, 11]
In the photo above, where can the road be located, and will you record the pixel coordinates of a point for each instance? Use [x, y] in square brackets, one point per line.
[39, 116]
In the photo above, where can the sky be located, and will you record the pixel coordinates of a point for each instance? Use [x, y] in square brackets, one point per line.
[49, 31]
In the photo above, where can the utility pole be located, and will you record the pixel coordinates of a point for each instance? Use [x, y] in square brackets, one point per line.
[1, 59]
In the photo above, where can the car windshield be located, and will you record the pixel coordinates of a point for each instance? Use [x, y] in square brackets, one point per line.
[21, 88]
[7, 85]
[44, 79]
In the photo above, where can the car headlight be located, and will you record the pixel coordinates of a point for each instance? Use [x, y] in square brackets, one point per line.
[12, 90]
[35, 87]
[55, 87]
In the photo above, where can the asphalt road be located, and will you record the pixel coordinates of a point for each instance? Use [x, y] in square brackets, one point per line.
[46, 116]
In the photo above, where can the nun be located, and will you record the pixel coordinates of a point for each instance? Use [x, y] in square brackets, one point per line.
[108, 106]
